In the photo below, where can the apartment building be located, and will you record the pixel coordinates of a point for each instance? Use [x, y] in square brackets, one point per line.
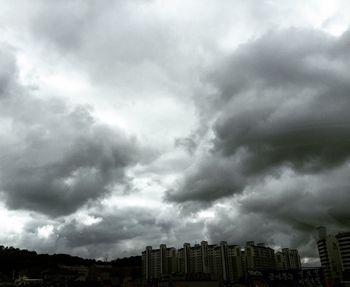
[158, 262]
[287, 259]
[343, 239]
[330, 257]
[259, 257]
[222, 262]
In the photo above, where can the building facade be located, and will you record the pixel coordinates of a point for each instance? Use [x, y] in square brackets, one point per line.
[222, 262]
[328, 249]
[287, 259]
[259, 257]
[344, 249]
[158, 262]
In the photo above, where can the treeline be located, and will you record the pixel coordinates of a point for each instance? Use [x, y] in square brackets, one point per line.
[15, 260]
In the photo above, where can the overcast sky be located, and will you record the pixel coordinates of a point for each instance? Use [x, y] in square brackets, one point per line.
[133, 123]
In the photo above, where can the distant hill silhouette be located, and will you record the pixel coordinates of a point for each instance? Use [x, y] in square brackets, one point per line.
[14, 261]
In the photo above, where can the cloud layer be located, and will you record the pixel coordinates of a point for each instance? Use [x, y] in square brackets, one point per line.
[125, 124]
[55, 158]
[281, 101]
[281, 140]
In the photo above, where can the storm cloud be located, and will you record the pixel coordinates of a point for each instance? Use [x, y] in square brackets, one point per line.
[55, 158]
[279, 154]
[280, 103]
[126, 124]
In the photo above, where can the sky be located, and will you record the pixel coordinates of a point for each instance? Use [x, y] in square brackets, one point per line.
[132, 123]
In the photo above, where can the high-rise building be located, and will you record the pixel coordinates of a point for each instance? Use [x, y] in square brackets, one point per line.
[280, 262]
[287, 259]
[187, 258]
[181, 261]
[151, 263]
[329, 252]
[343, 239]
[223, 262]
[196, 259]
[234, 263]
[193, 259]
[211, 259]
[259, 257]
[158, 262]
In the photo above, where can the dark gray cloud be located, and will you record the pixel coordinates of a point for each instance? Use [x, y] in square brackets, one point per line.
[303, 201]
[274, 111]
[279, 156]
[123, 224]
[55, 158]
[255, 226]
[108, 232]
[280, 101]
[187, 143]
[7, 72]
[95, 233]
[209, 180]
[285, 211]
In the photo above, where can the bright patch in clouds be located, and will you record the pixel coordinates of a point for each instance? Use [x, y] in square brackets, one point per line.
[45, 231]
[12, 223]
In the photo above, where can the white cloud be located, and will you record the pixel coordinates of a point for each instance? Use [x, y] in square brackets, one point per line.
[44, 232]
